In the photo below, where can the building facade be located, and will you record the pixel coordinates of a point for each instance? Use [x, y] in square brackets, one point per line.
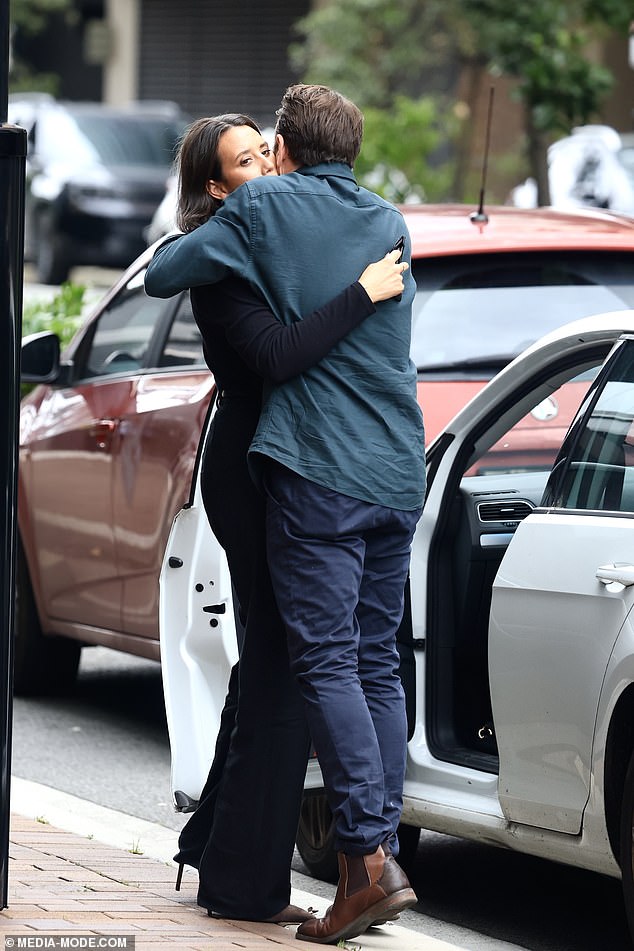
[209, 56]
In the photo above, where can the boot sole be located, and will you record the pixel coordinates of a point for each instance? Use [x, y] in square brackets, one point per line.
[386, 909]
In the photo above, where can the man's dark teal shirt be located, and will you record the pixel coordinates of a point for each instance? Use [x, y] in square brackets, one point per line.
[351, 423]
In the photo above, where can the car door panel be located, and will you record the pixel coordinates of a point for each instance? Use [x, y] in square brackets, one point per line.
[198, 645]
[68, 464]
[553, 628]
[151, 482]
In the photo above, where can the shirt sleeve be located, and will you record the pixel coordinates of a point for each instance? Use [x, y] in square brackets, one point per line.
[220, 246]
[278, 352]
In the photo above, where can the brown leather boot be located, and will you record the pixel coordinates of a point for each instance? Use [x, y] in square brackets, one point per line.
[371, 888]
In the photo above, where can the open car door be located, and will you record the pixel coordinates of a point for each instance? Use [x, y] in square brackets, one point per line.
[198, 644]
[560, 600]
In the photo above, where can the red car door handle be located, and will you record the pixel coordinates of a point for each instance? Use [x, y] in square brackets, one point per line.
[102, 431]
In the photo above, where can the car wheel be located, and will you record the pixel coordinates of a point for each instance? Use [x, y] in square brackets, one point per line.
[42, 665]
[627, 845]
[52, 263]
[315, 836]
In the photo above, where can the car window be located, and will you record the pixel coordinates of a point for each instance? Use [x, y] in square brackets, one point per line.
[133, 140]
[534, 442]
[481, 311]
[596, 472]
[123, 333]
[184, 345]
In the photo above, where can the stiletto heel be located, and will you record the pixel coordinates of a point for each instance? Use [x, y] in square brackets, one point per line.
[179, 875]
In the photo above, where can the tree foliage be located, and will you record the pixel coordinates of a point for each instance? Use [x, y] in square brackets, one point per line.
[375, 50]
[544, 45]
[371, 51]
[31, 17]
[396, 146]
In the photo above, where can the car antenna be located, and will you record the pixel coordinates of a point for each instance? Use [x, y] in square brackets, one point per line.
[480, 216]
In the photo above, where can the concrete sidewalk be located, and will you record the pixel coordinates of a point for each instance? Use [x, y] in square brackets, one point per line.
[69, 883]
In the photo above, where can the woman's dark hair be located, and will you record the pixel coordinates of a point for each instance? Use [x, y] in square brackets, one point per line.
[319, 125]
[197, 162]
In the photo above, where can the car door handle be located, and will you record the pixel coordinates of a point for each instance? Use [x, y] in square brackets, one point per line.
[102, 430]
[621, 574]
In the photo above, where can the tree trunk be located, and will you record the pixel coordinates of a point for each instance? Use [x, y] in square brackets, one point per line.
[468, 134]
[537, 158]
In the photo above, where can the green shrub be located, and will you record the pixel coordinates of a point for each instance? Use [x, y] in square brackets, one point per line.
[61, 315]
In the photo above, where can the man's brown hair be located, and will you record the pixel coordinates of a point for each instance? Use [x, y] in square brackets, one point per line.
[319, 125]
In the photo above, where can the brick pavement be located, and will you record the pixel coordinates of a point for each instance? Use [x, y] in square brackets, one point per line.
[68, 883]
[62, 883]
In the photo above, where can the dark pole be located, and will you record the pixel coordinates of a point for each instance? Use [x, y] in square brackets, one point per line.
[12, 170]
[4, 75]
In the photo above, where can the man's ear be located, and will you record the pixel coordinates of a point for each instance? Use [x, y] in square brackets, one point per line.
[281, 154]
[216, 190]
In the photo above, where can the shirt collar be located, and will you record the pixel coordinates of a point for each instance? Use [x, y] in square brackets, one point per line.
[329, 170]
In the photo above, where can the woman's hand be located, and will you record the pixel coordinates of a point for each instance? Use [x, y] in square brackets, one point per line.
[384, 279]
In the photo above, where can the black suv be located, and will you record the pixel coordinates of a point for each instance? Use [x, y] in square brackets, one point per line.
[95, 176]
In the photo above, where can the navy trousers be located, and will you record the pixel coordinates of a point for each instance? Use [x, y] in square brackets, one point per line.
[339, 567]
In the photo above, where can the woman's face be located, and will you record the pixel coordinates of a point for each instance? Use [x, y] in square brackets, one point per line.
[243, 154]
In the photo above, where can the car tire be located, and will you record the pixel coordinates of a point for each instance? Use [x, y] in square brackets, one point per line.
[315, 837]
[626, 843]
[52, 265]
[42, 665]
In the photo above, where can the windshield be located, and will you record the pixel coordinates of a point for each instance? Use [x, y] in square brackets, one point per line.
[109, 139]
[481, 310]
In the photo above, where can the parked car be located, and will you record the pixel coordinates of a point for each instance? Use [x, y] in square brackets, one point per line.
[164, 218]
[519, 621]
[592, 167]
[108, 443]
[626, 154]
[95, 176]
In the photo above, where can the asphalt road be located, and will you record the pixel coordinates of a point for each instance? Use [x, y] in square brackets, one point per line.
[107, 743]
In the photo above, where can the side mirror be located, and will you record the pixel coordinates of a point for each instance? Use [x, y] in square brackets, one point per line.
[40, 358]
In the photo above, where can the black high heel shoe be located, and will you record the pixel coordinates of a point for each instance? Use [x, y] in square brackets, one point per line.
[183, 858]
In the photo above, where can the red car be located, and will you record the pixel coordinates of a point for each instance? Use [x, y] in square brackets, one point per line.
[108, 443]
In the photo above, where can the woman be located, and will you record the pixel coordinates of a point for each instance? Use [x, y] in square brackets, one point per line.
[243, 843]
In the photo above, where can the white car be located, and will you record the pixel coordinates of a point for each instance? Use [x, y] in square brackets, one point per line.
[590, 168]
[520, 637]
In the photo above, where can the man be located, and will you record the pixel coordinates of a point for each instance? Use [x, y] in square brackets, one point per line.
[339, 451]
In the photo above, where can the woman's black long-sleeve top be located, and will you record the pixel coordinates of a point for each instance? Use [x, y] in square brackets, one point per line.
[245, 343]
